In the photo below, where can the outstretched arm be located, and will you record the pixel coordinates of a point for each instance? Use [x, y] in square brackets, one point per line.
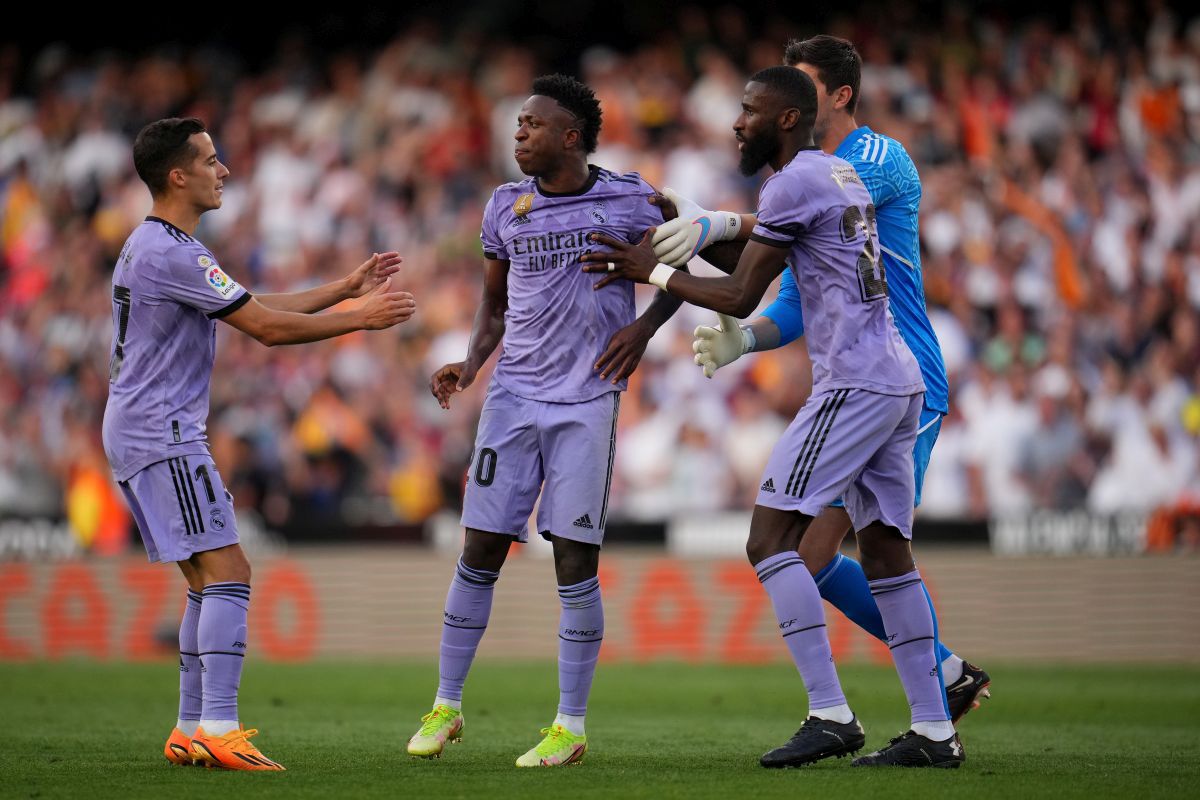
[689, 230]
[383, 309]
[785, 315]
[737, 294]
[372, 272]
[724, 255]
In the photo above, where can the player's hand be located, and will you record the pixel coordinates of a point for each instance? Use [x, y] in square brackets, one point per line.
[624, 352]
[622, 261]
[450, 379]
[371, 273]
[677, 241]
[385, 308]
[665, 205]
[716, 347]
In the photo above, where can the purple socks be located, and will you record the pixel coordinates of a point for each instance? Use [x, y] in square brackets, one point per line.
[801, 618]
[190, 680]
[468, 606]
[221, 640]
[580, 630]
[912, 638]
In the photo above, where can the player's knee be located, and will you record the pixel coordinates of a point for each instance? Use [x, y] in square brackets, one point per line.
[816, 553]
[884, 552]
[760, 547]
[223, 565]
[485, 551]
[873, 567]
[238, 569]
[575, 562]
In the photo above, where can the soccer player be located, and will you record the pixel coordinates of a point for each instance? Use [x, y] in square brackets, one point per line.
[854, 437]
[168, 292]
[891, 178]
[550, 417]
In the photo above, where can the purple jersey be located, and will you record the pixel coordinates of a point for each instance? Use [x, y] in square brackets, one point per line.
[818, 207]
[557, 325]
[168, 290]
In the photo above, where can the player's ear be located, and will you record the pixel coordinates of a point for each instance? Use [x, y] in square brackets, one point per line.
[841, 98]
[789, 118]
[176, 178]
[571, 138]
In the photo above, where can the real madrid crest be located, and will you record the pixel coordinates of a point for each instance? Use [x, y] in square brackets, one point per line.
[600, 212]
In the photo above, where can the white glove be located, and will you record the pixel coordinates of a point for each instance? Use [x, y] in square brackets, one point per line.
[678, 240]
[716, 347]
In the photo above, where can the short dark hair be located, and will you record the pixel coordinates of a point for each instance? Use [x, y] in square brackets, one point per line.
[161, 147]
[793, 88]
[577, 98]
[837, 62]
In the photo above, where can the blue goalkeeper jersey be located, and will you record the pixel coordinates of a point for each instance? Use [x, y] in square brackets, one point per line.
[895, 188]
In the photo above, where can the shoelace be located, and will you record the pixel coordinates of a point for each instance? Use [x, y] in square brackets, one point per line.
[553, 740]
[242, 736]
[433, 721]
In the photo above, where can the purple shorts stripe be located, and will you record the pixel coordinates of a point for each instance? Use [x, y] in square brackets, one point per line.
[849, 443]
[173, 519]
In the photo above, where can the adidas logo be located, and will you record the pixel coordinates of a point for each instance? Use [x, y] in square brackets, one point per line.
[769, 486]
[584, 522]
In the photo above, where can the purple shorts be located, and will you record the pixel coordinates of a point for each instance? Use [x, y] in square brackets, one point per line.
[181, 507]
[523, 444]
[853, 444]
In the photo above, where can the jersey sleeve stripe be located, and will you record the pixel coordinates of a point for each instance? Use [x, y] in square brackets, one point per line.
[232, 307]
[782, 230]
[754, 237]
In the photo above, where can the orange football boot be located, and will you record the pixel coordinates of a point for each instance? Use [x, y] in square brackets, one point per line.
[231, 751]
[179, 748]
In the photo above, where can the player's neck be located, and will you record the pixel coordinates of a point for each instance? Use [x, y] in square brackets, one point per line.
[840, 126]
[567, 179]
[182, 215]
[789, 150]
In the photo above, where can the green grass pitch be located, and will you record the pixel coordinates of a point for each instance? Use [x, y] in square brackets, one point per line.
[97, 730]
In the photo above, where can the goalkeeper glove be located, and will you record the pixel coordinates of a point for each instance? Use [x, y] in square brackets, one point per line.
[716, 347]
[678, 240]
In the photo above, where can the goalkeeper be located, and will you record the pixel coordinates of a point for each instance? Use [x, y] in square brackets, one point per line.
[892, 181]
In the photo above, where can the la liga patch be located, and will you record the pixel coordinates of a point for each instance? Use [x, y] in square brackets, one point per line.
[217, 279]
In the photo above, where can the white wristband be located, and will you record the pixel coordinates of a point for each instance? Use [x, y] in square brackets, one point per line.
[749, 340]
[733, 224]
[661, 274]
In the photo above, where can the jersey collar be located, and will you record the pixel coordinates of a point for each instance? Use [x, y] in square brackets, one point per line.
[851, 139]
[593, 176]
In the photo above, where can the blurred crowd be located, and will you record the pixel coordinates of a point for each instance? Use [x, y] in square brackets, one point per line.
[1061, 171]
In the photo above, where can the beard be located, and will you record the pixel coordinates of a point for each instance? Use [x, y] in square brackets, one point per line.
[757, 151]
[820, 129]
